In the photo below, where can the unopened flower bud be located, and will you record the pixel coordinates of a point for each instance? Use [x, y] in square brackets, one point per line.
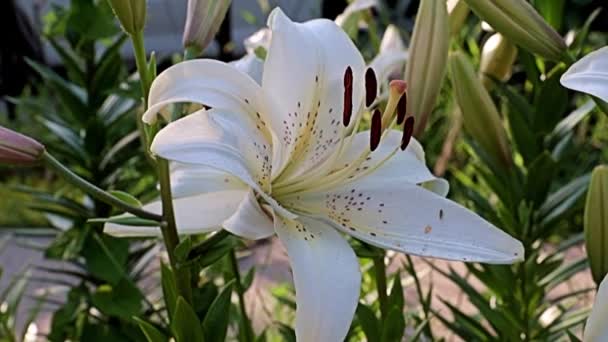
[458, 12]
[427, 63]
[480, 116]
[596, 223]
[18, 149]
[203, 20]
[131, 14]
[497, 58]
[518, 21]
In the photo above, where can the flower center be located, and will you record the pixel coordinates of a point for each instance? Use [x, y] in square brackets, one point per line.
[330, 173]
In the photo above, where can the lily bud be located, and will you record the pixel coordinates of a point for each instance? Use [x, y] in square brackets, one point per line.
[18, 149]
[428, 56]
[497, 58]
[131, 14]
[203, 20]
[480, 116]
[458, 12]
[596, 223]
[518, 21]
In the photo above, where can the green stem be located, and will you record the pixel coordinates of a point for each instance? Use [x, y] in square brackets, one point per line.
[96, 192]
[247, 331]
[380, 269]
[142, 65]
[169, 230]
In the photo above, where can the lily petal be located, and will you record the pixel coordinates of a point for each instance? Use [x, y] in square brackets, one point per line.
[392, 57]
[326, 276]
[251, 65]
[596, 329]
[405, 165]
[211, 83]
[250, 221]
[202, 213]
[589, 75]
[191, 179]
[398, 215]
[223, 140]
[310, 95]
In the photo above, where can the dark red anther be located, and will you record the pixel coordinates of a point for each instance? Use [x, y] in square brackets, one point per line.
[371, 87]
[376, 130]
[408, 130]
[348, 96]
[401, 108]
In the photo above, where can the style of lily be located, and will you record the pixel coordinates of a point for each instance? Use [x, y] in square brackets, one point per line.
[285, 158]
[589, 75]
[596, 329]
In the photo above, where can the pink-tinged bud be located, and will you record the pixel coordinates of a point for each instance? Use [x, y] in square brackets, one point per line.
[18, 149]
[203, 20]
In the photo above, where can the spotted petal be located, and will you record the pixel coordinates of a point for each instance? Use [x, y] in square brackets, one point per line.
[326, 276]
[223, 140]
[209, 82]
[304, 73]
[404, 217]
[596, 329]
[589, 75]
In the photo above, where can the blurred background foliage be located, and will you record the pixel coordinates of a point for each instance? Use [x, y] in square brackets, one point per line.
[85, 111]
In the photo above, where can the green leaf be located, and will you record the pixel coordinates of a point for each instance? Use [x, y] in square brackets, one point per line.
[68, 244]
[151, 332]
[126, 197]
[185, 324]
[288, 334]
[70, 61]
[125, 220]
[566, 125]
[248, 278]
[550, 103]
[215, 324]
[394, 326]
[213, 253]
[183, 249]
[123, 299]
[539, 178]
[552, 11]
[106, 257]
[581, 35]
[169, 288]
[395, 298]
[369, 322]
[71, 96]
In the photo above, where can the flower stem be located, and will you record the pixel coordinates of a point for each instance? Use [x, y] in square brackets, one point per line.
[169, 230]
[246, 324]
[96, 192]
[380, 269]
[142, 65]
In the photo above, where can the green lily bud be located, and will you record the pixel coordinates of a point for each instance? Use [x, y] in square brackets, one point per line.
[203, 20]
[131, 14]
[480, 116]
[18, 149]
[497, 58]
[596, 223]
[518, 21]
[458, 12]
[427, 63]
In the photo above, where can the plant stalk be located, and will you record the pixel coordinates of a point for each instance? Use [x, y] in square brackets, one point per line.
[246, 323]
[380, 269]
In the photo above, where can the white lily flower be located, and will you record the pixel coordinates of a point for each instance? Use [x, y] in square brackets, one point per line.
[589, 75]
[284, 158]
[596, 329]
